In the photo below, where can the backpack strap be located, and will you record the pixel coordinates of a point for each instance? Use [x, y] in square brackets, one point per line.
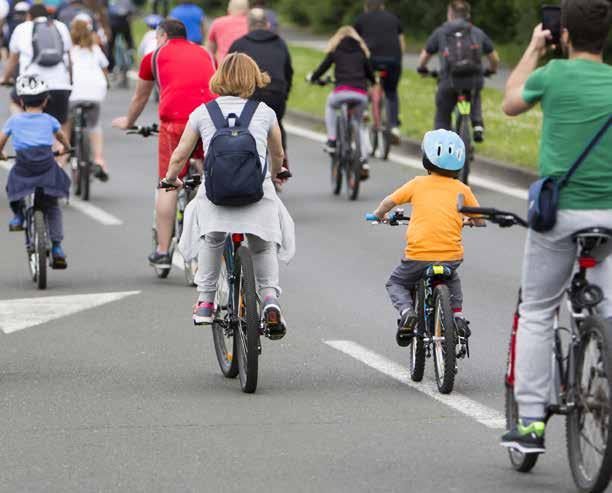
[154, 69]
[216, 115]
[248, 112]
[602, 131]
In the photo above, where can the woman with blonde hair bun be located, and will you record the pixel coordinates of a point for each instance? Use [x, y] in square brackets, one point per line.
[350, 56]
[89, 85]
[266, 223]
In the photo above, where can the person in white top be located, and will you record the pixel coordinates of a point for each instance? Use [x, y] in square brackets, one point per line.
[56, 75]
[90, 84]
[266, 223]
[149, 40]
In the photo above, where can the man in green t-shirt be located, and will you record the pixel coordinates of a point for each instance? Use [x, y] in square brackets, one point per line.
[576, 100]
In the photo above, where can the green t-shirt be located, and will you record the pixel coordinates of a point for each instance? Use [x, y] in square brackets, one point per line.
[576, 99]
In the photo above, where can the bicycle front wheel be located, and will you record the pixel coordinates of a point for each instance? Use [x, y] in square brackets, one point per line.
[463, 129]
[248, 328]
[223, 332]
[589, 441]
[445, 340]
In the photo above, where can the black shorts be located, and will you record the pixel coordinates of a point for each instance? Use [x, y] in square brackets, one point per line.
[57, 106]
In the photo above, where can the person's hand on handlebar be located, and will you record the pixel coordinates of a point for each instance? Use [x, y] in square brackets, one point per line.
[122, 123]
[423, 70]
[489, 72]
[474, 222]
[169, 184]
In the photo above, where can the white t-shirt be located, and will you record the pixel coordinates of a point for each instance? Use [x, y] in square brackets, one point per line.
[57, 77]
[88, 81]
[4, 9]
[148, 44]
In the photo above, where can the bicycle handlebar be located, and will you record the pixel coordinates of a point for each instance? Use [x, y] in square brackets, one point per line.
[55, 153]
[189, 183]
[145, 131]
[425, 72]
[321, 82]
[394, 219]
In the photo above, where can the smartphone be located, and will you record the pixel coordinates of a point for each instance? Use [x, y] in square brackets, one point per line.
[551, 20]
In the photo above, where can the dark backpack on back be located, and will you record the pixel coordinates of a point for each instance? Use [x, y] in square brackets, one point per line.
[47, 44]
[463, 55]
[233, 171]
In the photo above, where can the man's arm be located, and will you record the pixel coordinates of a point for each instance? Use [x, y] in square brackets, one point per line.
[144, 88]
[424, 58]
[514, 104]
[11, 67]
[493, 58]
[402, 42]
[211, 43]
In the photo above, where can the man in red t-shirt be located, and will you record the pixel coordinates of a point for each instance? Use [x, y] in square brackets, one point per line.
[182, 71]
[227, 29]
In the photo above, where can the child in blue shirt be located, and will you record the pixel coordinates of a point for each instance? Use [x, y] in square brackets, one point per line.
[32, 134]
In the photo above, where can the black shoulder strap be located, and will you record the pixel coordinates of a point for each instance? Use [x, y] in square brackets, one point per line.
[216, 115]
[248, 112]
[586, 152]
[154, 67]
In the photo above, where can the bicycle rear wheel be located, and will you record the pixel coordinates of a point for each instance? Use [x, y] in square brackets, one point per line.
[589, 441]
[445, 342]
[248, 328]
[463, 129]
[417, 348]
[354, 164]
[38, 255]
[84, 166]
[386, 128]
[223, 333]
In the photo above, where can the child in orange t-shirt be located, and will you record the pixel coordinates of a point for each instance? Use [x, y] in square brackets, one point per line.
[435, 231]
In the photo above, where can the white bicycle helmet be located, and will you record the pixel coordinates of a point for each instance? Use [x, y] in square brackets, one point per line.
[31, 85]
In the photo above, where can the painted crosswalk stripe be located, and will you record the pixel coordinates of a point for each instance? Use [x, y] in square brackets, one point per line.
[495, 186]
[479, 412]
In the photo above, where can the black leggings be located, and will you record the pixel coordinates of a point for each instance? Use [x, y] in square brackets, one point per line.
[119, 25]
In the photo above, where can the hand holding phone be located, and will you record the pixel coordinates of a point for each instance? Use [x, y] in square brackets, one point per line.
[551, 21]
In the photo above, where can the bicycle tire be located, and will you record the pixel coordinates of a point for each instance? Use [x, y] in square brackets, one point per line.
[445, 352]
[386, 125]
[84, 165]
[463, 129]
[248, 328]
[336, 161]
[520, 462]
[40, 249]
[417, 348]
[373, 140]
[228, 362]
[353, 168]
[595, 334]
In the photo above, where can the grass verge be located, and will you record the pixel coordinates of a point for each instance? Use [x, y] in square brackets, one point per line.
[511, 140]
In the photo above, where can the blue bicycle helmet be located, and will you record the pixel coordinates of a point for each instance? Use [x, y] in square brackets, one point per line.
[153, 20]
[444, 151]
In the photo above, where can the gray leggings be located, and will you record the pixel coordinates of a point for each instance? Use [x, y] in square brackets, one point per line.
[406, 276]
[549, 263]
[335, 101]
[265, 264]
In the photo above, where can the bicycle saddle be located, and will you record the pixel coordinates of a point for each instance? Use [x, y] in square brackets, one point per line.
[441, 272]
[85, 105]
[596, 242]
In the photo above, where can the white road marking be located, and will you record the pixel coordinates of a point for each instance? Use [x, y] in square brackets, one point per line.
[95, 212]
[516, 192]
[479, 412]
[86, 208]
[23, 313]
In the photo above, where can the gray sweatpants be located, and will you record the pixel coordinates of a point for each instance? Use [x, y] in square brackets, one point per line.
[406, 276]
[550, 259]
[265, 265]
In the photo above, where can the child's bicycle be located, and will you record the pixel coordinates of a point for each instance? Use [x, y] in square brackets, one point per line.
[37, 242]
[581, 365]
[436, 331]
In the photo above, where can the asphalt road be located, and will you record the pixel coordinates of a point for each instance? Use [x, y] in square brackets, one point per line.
[126, 396]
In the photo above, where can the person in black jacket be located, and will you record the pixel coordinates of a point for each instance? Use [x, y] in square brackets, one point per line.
[353, 71]
[270, 52]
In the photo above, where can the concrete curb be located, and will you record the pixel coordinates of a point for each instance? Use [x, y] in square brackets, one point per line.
[482, 166]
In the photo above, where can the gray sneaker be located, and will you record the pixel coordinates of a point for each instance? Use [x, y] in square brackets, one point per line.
[203, 313]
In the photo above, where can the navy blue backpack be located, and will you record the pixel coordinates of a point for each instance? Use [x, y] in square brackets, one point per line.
[233, 170]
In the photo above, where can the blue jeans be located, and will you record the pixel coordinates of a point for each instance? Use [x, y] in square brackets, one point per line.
[52, 212]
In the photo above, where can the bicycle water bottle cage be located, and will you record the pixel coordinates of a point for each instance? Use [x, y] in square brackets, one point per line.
[439, 272]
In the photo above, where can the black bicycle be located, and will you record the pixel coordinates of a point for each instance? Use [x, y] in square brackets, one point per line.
[82, 164]
[581, 364]
[238, 325]
[436, 332]
[37, 242]
[347, 160]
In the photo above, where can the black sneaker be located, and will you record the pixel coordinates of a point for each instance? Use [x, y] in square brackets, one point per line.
[160, 260]
[463, 327]
[526, 439]
[330, 147]
[478, 134]
[276, 328]
[405, 328]
[99, 173]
